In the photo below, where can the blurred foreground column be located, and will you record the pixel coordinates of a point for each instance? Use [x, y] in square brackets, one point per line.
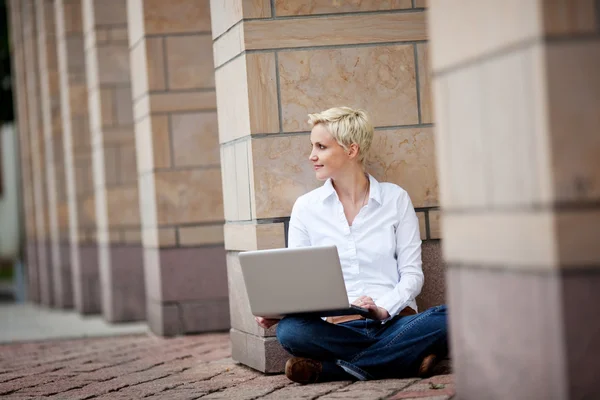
[77, 151]
[60, 261]
[114, 160]
[178, 163]
[517, 90]
[20, 96]
[36, 143]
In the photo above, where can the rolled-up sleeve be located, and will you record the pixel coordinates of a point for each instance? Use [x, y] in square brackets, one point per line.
[408, 251]
[297, 232]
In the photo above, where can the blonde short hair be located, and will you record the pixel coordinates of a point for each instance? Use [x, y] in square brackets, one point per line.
[347, 126]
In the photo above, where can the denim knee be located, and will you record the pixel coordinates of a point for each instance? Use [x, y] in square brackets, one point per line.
[292, 332]
[287, 329]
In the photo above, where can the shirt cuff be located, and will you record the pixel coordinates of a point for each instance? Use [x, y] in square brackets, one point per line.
[392, 304]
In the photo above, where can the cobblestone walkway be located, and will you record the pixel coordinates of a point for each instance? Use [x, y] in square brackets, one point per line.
[190, 367]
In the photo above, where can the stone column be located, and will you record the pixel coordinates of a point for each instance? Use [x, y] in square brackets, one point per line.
[77, 151]
[36, 138]
[518, 151]
[277, 61]
[59, 263]
[178, 165]
[21, 101]
[114, 160]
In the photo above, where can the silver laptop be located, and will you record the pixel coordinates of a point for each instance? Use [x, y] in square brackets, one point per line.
[305, 280]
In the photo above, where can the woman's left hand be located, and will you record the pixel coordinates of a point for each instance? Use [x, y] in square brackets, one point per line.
[376, 312]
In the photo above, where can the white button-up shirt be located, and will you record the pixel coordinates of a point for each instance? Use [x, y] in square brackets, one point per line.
[380, 253]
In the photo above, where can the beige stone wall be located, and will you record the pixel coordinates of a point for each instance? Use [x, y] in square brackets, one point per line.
[77, 153]
[108, 76]
[37, 146]
[278, 61]
[111, 121]
[173, 87]
[21, 102]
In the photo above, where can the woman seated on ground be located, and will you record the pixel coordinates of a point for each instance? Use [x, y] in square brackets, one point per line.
[376, 231]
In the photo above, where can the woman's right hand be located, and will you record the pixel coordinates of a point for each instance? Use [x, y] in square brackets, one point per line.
[266, 322]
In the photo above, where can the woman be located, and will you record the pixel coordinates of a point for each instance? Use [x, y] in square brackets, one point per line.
[376, 231]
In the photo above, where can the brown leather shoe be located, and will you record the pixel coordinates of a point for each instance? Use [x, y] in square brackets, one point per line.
[303, 370]
[427, 366]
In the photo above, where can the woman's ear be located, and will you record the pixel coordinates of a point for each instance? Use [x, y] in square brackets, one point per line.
[353, 150]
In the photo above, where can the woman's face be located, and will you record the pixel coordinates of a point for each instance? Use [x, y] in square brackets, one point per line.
[327, 156]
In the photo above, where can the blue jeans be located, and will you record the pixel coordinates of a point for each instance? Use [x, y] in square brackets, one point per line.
[367, 349]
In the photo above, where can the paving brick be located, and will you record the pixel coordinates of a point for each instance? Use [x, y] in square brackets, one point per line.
[25, 382]
[56, 387]
[370, 389]
[298, 392]
[439, 386]
[232, 376]
[252, 389]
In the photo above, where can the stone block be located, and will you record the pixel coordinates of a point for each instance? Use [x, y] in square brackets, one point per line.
[152, 142]
[521, 171]
[207, 315]
[128, 165]
[200, 235]
[123, 206]
[229, 182]
[282, 173]
[406, 157]
[182, 101]
[123, 106]
[124, 295]
[232, 100]
[192, 274]
[491, 357]
[435, 217]
[113, 64]
[226, 13]
[195, 138]
[228, 45]
[110, 12]
[573, 85]
[564, 17]
[448, 23]
[434, 268]
[163, 319]
[352, 29]
[263, 354]
[384, 75]
[577, 233]
[33, 277]
[86, 280]
[138, 57]
[239, 305]
[189, 196]
[422, 225]
[580, 301]
[63, 288]
[178, 16]
[262, 93]
[254, 237]
[424, 70]
[189, 61]
[159, 237]
[303, 7]
[514, 239]
[459, 145]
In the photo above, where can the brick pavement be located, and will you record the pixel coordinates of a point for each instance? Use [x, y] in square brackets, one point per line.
[182, 368]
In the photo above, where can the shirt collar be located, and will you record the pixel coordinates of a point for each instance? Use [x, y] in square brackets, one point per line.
[374, 193]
